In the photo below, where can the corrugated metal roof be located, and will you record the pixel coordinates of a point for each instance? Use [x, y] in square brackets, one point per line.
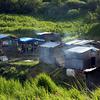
[42, 33]
[72, 42]
[3, 36]
[39, 39]
[50, 44]
[79, 42]
[90, 69]
[80, 49]
[83, 42]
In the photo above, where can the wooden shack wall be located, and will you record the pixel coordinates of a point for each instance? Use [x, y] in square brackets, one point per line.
[93, 79]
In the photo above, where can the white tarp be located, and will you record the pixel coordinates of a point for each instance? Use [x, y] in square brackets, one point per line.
[3, 58]
[70, 72]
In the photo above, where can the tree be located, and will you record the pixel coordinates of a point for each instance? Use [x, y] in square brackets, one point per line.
[56, 2]
[20, 6]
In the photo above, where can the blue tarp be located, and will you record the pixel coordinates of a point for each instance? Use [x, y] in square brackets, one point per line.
[30, 40]
[2, 36]
[25, 39]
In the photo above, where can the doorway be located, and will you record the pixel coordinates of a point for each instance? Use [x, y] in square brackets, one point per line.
[93, 61]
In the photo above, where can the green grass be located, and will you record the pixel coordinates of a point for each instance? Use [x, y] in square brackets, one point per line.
[23, 25]
[16, 85]
[41, 88]
[25, 63]
[26, 25]
[17, 70]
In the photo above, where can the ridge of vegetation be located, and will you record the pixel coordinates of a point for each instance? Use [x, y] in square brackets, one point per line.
[23, 25]
[42, 87]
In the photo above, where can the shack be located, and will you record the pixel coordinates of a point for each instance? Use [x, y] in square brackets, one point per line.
[81, 57]
[28, 40]
[96, 44]
[49, 36]
[78, 42]
[7, 40]
[92, 77]
[27, 44]
[50, 53]
[8, 44]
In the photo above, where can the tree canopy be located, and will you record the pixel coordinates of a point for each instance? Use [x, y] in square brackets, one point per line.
[51, 8]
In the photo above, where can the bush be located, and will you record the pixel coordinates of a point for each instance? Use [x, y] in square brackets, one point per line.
[73, 13]
[94, 31]
[20, 6]
[91, 18]
[45, 81]
[75, 4]
[98, 12]
[14, 90]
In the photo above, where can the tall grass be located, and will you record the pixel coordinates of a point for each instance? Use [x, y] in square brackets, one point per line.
[41, 88]
[25, 25]
[21, 25]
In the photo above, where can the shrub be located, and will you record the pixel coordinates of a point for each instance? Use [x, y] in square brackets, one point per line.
[37, 89]
[75, 4]
[45, 81]
[73, 13]
[94, 30]
[98, 12]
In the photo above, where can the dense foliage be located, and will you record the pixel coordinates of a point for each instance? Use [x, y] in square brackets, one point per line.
[21, 25]
[16, 70]
[50, 8]
[79, 17]
[42, 87]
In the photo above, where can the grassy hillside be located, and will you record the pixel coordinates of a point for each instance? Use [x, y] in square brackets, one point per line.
[26, 25]
[23, 25]
[41, 88]
[14, 85]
